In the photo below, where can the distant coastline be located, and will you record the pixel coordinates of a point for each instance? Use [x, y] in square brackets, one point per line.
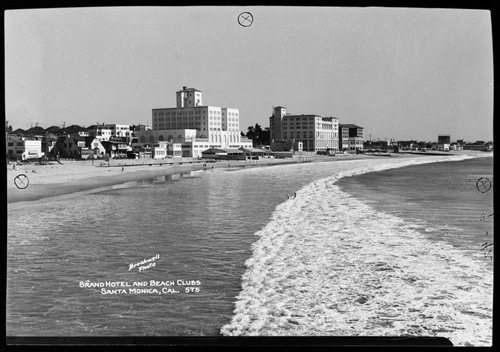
[75, 177]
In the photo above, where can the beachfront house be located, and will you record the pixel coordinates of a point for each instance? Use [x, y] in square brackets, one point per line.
[48, 142]
[21, 148]
[116, 149]
[68, 146]
[161, 150]
[101, 132]
[119, 132]
[93, 148]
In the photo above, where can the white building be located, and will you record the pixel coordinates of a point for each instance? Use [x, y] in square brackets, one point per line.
[160, 150]
[119, 132]
[351, 137]
[196, 126]
[20, 148]
[100, 132]
[310, 132]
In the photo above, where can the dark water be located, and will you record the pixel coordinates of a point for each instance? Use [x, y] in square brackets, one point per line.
[386, 262]
[442, 198]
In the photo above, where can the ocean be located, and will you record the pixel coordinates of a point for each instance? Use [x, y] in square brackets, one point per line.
[278, 250]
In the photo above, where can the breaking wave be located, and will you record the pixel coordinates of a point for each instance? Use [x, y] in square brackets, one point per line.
[329, 264]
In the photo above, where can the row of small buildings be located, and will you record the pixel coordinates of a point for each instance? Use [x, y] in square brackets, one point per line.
[65, 146]
[443, 144]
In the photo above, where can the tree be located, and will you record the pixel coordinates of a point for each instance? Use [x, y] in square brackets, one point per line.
[255, 133]
[52, 129]
[8, 128]
[251, 132]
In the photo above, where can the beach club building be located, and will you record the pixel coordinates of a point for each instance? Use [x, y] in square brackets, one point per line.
[311, 133]
[195, 126]
[351, 137]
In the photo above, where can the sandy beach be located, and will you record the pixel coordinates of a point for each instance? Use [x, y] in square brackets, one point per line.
[56, 179]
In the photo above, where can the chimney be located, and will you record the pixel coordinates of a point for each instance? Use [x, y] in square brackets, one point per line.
[184, 87]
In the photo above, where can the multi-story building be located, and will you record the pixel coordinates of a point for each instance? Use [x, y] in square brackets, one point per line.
[310, 133]
[196, 126]
[351, 137]
[101, 132]
[478, 145]
[119, 132]
[20, 148]
[444, 142]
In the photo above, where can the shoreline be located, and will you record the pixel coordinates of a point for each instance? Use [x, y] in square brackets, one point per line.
[287, 269]
[76, 177]
[79, 177]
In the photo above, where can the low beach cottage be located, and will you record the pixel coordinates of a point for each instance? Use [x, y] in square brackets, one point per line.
[253, 153]
[223, 154]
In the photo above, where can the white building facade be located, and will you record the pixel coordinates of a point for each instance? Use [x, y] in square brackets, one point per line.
[19, 148]
[314, 133]
[351, 137]
[196, 126]
[119, 132]
[101, 132]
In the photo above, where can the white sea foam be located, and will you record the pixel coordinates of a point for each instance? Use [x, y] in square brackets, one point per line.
[329, 264]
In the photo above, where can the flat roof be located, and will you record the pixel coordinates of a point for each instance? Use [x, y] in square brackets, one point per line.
[189, 90]
[253, 150]
[349, 125]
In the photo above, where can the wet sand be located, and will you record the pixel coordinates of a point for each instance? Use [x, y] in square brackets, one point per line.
[57, 179]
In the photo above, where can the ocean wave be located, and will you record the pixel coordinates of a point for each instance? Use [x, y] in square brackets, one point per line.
[329, 264]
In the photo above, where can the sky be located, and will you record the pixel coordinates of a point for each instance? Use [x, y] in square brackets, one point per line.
[400, 73]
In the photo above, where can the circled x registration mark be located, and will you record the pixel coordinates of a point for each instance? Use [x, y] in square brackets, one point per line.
[245, 19]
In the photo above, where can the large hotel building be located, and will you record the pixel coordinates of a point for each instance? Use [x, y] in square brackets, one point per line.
[310, 133]
[195, 126]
